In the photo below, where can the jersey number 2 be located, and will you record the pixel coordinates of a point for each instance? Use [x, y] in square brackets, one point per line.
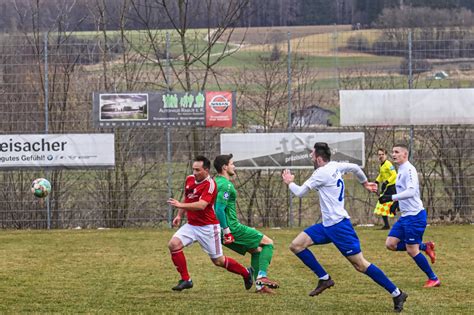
[340, 182]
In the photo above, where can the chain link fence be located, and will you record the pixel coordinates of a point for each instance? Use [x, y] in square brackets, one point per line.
[286, 79]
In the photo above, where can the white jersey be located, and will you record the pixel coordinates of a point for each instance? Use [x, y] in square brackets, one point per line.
[408, 190]
[328, 181]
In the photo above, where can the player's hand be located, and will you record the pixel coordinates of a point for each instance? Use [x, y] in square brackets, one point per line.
[228, 237]
[394, 207]
[174, 203]
[287, 177]
[177, 220]
[372, 187]
[385, 198]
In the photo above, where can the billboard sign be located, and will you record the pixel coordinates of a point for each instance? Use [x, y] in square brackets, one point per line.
[290, 150]
[57, 151]
[196, 109]
[407, 107]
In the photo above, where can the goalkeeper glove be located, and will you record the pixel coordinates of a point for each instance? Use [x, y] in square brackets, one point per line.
[394, 207]
[385, 198]
[228, 237]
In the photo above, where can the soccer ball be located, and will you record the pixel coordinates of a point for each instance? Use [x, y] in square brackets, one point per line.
[41, 187]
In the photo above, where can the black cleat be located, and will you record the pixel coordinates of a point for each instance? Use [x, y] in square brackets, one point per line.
[398, 302]
[248, 281]
[183, 284]
[322, 285]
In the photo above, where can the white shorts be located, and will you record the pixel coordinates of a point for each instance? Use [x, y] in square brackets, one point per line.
[208, 236]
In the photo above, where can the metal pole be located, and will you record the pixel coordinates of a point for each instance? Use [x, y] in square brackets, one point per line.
[410, 86]
[46, 118]
[289, 74]
[168, 134]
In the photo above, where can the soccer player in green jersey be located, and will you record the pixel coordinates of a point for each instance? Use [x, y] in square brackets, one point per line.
[238, 237]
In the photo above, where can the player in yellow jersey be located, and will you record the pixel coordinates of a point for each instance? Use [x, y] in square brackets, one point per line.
[387, 177]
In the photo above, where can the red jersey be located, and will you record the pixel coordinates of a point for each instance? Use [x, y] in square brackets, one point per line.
[204, 190]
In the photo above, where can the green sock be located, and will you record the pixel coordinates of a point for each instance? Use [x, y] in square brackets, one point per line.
[255, 263]
[265, 257]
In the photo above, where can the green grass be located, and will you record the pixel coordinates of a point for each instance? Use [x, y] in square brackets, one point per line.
[121, 271]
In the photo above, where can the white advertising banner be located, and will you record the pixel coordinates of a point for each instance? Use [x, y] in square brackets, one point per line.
[57, 150]
[290, 150]
[407, 107]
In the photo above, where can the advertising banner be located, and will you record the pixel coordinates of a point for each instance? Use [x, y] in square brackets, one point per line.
[290, 150]
[407, 107]
[196, 109]
[57, 151]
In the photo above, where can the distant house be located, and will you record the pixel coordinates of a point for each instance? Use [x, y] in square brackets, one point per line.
[311, 116]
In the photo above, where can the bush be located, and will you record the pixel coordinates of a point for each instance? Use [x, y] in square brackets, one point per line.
[418, 66]
[358, 42]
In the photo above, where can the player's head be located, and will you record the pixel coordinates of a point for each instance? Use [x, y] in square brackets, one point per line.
[224, 164]
[382, 154]
[201, 167]
[400, 153]
[321, 154]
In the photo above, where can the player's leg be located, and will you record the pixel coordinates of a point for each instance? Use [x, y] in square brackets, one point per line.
[264, 253]
[182, 238]
[379, 277]
[413, 236]
[299, 246]
[209, 237]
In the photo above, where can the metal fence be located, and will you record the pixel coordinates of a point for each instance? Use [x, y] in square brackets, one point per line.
[47, 81]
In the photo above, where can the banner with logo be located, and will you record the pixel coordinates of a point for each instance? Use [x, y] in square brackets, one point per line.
[197, 109]
[290, 150]
[57, 151]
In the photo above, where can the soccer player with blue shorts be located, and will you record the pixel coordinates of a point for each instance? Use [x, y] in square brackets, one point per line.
[336, 227]
[407, 233]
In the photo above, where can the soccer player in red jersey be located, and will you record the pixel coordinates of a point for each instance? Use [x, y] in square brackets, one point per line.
[202, 227]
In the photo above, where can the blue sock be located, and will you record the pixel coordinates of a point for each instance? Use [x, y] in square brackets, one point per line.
[309, 260]
[423, 246]
[422, 262]
[401, 246]
[380, 278]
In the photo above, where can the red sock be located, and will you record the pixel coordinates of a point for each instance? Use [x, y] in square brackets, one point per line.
[180, 262]
[233, 266]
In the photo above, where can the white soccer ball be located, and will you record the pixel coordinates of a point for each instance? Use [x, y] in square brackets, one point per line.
[41, 187]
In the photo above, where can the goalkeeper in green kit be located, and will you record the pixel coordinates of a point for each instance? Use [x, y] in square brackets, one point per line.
[236, 236]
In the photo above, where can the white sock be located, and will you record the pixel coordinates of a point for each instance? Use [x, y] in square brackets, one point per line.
[396, 292]
[326, 277]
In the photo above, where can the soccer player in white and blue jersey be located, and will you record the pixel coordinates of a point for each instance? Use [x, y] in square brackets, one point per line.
[336, 226]
[407, 233]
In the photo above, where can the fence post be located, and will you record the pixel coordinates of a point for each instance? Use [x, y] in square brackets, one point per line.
[46, 119]
[168, 135]
[289, 127]
[410, 86]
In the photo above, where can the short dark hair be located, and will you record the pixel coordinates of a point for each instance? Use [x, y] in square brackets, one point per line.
[322, 150]
[222, 160]
[206, 164]
[401, 145]
[383, 150]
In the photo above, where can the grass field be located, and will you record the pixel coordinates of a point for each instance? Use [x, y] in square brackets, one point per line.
[122, 271]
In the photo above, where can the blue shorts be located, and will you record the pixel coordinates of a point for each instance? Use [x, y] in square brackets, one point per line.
[410, 228]
[341, 234]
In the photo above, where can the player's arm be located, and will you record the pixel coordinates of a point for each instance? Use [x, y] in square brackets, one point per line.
[289, 178]
[359, 173]
[191, 206]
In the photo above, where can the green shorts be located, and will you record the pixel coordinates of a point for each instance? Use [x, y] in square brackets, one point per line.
[246, 238]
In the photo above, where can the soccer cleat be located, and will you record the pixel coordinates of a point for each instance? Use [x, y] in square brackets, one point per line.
[248, 281]
[432, 283]
[183, 284]
[264, 290]
[385, 227]
[267, 282]
[322, 285]
[398, 302]
[430, 251]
